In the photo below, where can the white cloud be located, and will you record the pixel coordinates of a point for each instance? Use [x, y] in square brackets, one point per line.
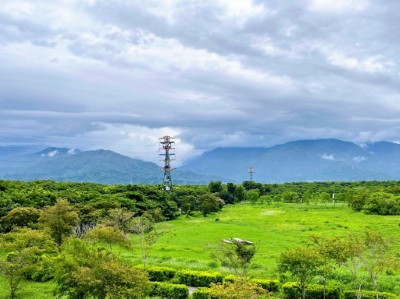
[371, 64]
[241, 11]
[359, 159]
[135, 141]
[338, 6]
[328, 157]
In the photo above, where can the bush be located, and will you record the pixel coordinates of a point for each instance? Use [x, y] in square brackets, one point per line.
[369, 295]
[169, 290]
[201, 293]
[313, 291]
[230, 278]
[160, 273]
[198, 278]
[267, 284]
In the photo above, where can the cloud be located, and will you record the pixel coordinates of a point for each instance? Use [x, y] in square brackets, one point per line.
[213, 73]
[338, 6]
[330, 157]
[359, 159]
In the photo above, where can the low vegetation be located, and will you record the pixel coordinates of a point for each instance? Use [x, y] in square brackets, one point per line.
[309, 240]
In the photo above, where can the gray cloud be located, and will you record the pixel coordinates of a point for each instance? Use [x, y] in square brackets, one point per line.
[95, 73]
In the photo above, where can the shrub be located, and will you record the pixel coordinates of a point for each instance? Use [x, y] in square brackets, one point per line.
[201, 293]
[313, 291]
[267, 284]
[230, 278]
[169, 290]
[369, 295]
[240, 289]
[198, 278]
[160, 273]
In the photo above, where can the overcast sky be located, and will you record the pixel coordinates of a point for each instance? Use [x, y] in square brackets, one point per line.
[118, 74]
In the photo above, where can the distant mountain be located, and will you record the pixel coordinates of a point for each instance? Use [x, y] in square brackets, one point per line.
[98, 166]
[304, 160]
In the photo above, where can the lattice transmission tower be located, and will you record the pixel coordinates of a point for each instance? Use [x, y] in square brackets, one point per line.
[251, 171]
[167, 146]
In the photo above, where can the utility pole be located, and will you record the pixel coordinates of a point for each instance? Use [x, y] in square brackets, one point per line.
[167, 146]
[251, 171]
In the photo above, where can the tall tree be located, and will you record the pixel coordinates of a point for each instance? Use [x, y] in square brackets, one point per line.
[236, 255]
[302, 263]
[60, 220]
[148, 235]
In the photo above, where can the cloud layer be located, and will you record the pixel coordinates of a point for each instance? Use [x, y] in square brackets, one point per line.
[119, 74]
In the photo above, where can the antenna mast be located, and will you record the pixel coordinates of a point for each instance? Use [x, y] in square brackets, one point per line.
[167, 146]
[251, 171]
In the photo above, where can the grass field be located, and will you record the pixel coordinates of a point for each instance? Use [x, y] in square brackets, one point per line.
[273, 228]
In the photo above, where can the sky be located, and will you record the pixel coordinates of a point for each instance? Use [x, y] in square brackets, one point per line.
[119, 74]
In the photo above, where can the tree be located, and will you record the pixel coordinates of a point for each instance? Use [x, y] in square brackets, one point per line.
[83, 271]
[120, 218]
[215, 187]
[236, 255]
[209, 203]
[189, 203]
[60, 220]
[20, 217]
[375, 257]
[25, 249]
[347, 253]
[109, 235]
[253, 195]
[302, 263]
[240, 193]
[327, 249]
[15, 266]
[148, 235]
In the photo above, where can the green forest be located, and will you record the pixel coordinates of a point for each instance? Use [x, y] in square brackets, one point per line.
[222, 240]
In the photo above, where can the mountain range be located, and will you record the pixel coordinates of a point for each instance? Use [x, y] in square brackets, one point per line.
[303, 160]
[97, 166]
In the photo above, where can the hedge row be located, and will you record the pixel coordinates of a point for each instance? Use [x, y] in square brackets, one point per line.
[198, 278]
[369, 295]
[270, 285]
[292, 290]
[160, 273]
[201, 293]
[186, 277]
[169, 290]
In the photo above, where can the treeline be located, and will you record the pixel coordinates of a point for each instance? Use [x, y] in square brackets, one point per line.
[372, 197]
[94, 201]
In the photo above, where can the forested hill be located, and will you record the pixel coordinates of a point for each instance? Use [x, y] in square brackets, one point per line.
[306, 160]
[97, 166]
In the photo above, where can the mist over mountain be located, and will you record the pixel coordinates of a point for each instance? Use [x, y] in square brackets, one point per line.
[304, 160]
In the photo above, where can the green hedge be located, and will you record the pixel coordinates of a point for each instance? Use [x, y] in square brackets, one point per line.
[197, 278]
[201, 293]
[292, 290]
[369, 295]
[271, 285]
[267, 284]
[169, 290]
[160, 273]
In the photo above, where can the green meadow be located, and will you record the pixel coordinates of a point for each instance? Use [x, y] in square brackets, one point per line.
[274, 228]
